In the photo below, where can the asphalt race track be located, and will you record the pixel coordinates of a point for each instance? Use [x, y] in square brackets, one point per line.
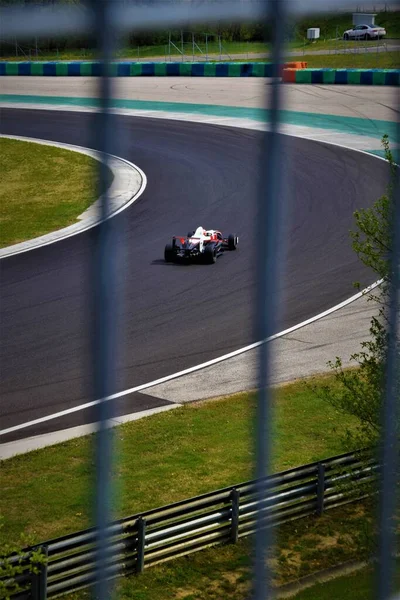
[172, 316]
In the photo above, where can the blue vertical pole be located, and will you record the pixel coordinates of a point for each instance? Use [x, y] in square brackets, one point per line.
[269, 243]
[391, 414]
[104, 307]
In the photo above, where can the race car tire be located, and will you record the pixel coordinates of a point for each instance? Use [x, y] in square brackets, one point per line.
[232, 241]
[346, 36]
[169, 253]
[210, 254]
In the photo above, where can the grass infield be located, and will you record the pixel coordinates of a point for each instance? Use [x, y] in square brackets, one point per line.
[43, 189]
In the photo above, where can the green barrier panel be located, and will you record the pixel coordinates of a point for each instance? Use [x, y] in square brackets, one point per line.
[378, 77]
[209, 69]
[11, 68]
[303, 76]
[160, 69]
[329, 76]
[86, 69]
[185, 69]
[62, 69]
[113, 69]
[136, 70]
[36, 68]
[234, 70]
[258, 70]
[353, 77]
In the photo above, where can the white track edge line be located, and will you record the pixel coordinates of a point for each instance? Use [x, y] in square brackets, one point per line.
[75, 148]
[190, 370]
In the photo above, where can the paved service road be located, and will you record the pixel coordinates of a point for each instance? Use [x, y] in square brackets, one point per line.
[369, 102]
[172, 316]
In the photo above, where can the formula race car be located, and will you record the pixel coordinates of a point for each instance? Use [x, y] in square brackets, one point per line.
[202, 245]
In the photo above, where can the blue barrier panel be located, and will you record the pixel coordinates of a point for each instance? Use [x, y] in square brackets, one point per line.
[50, 69]
[24, 68]
[246, 70]
[222, 70]
[148, 69]
[268, 69]
[2, 68]
[392, 78]
[366, 78]
[124, 69]
[317, 76]
[74, 69]
[341, 77]
[97, 69]
[173, 69]
[197, 70]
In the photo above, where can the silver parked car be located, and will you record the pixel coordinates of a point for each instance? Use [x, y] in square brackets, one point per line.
[364, 32]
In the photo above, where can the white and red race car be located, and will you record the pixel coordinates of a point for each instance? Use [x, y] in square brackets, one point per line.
[203, 245]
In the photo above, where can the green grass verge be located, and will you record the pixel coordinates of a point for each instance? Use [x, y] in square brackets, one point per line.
[249, 50]
[359, 585]
[43, 189]
[373, 60]
[381, 60]
[162, 459]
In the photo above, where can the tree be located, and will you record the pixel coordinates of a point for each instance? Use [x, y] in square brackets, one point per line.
[358, 392]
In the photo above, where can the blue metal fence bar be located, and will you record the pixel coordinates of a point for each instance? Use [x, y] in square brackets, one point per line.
[270, 210]
[104, 304]
[391, 413]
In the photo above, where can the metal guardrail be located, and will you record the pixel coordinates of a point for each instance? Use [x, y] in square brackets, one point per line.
[223, 516]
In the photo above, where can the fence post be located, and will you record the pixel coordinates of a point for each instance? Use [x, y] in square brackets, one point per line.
[320, 489]
[235, 497]
[141, 533]
[39, 579]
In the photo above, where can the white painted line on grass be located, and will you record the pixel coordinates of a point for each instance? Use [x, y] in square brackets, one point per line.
[202, 366]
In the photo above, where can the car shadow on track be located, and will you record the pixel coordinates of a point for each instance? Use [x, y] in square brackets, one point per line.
[160, 261]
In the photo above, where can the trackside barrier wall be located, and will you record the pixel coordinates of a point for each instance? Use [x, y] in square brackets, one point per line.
[292, 72]
[343, 76]
[223, 516]
[141, 69]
